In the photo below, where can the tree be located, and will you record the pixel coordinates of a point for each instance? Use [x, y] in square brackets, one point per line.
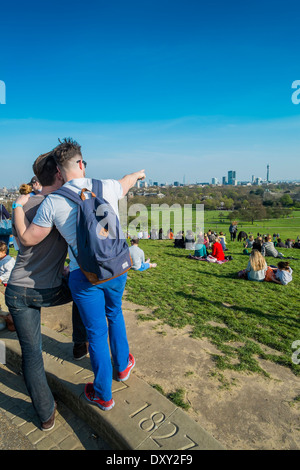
[286, 200]
[254, 212]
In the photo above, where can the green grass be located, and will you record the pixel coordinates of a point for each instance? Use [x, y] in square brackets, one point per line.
[176, 397]
[287, 227]
[244, 320]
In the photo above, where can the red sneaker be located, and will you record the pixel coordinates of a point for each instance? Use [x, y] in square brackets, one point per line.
[91, 396]
[122, 376]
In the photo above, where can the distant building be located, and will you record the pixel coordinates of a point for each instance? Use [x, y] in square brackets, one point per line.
[232, 177]
[176, 183]
[224, 180]
[214, 181]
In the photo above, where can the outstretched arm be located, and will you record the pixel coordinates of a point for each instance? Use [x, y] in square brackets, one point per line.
[128, 181]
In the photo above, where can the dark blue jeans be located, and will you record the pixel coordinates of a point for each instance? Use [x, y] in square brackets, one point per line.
[25, 304]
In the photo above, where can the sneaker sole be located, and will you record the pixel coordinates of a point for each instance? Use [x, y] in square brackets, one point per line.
[81, 357]
[48, 429]
[127, 376]
[103, 408]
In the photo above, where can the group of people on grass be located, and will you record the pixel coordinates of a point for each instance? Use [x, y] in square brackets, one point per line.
[257, 268]
[269, 244]
[258, 248]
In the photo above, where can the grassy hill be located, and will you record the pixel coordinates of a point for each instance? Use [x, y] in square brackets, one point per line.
[243, 319]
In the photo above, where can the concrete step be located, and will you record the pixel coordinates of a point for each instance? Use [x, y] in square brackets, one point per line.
[142, 418]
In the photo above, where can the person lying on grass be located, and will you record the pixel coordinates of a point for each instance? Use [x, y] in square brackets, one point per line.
[282, 274]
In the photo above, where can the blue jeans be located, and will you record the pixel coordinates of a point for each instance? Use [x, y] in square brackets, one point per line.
[99, 304]
[144, 267]
[24, 305]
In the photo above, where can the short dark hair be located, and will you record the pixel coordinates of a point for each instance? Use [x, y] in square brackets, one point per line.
[135, 240]
[66, 150]
[45, 168]
[3, 246]
[283, 265]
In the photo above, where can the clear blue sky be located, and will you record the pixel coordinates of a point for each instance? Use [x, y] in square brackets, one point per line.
[176, 87]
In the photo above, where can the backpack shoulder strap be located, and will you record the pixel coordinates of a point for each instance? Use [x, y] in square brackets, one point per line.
[97, 188]
[68, 193]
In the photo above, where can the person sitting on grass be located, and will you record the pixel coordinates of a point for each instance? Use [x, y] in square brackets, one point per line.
[249, 242]
[211, 236]
[268, 248]
[7, 263]
[217, 250]
[257, 243]
[206, 242]
[200, 249]
[138, 257]
[257, 267]
[223, 241]
[179, 240]
[279, 243]
[288, 243]
[189, 240]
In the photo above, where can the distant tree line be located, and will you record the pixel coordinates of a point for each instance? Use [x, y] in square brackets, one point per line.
[247, 203]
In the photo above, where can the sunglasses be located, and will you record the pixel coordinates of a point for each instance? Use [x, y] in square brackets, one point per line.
[84, 163]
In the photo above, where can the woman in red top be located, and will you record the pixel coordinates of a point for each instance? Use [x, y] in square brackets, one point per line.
[217, 250]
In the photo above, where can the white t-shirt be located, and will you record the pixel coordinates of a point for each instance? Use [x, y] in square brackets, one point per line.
[137, 256]
[62, 212]
[6, 266]
[284, 276]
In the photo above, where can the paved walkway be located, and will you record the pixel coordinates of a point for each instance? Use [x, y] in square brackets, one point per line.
[142, 418]
[19, 425]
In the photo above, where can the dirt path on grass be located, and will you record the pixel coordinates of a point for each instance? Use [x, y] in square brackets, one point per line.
[242, 411]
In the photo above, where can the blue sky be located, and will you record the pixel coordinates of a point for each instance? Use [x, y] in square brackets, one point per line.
[179, 88]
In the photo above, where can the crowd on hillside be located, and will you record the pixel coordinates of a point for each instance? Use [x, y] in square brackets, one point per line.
[258, 248]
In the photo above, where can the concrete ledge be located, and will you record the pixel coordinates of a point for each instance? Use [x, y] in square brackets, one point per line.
[142, 418]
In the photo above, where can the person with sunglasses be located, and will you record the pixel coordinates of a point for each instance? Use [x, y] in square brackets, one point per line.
[99, 303]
